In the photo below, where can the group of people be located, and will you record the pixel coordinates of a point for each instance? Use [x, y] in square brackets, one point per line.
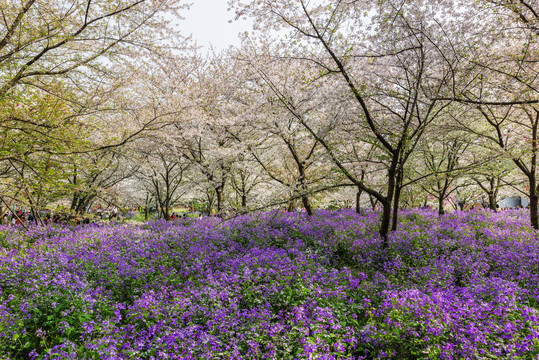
[27, 217]
[184, 215]
[18, 217]
[69, 217]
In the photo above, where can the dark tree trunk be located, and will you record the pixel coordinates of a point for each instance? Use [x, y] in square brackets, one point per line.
[395, 218]
[74, 202]
[35, 216]
[386, 222]
[533, 206]
[210, 203]
[492, 201]
[307, 204]
[392, 184]
[396, 200]
[358, 201]
[219, 193]
[167, 210]
[373, 201]
[243, 200]
[531, 176]
[291, 205]
[83, 202]
[441, 210]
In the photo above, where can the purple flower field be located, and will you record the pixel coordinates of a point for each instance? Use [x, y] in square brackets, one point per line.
[274, 286]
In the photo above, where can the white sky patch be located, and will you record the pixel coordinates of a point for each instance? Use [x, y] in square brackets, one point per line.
[208, 22]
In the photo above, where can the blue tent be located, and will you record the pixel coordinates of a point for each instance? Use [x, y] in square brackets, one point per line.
[513, 202]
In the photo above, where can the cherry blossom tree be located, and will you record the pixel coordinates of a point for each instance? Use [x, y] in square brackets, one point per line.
[163, 173]
[61, 66]
[497, 80]
[390, 64]
[91, 174]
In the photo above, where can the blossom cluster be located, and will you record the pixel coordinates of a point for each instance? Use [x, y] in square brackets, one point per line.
[274, 286]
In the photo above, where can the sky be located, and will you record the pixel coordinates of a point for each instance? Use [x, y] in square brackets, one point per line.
[208, 22]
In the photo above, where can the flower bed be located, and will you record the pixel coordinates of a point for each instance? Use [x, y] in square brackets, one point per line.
[274, 286]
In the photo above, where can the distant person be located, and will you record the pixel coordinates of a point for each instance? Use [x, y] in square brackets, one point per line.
[477, 206]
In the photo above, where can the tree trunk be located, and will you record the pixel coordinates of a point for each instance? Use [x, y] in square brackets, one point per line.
[358, 201]
[75, 202]
[307, 204]
[386, 221]
[291, 206]
[83, 203]
[219, 193]
[533, 207]
[167, 210]
[373, 201]
[395, 217]
[396, 200]
[161, 211]
[210, 198]
[396, 208]
[392, 184]
[441, 210]
[492, 200]
[531, 176]
[243, 200]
